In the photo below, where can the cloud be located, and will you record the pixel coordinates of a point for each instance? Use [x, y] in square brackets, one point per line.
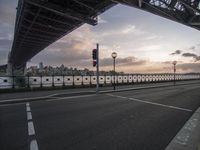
[5, 43]
[189, 55]
[5, 47]
[196, 57]
[192, 48]
[189, 67]
[101, 20]
[128, 29]
[7, 20]
[75, 49]
[7, 12]
[153, 37]
[177, 52]
[127, 61]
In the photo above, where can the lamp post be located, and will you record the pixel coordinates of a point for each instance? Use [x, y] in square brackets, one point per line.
[114, 56]
[174, 63]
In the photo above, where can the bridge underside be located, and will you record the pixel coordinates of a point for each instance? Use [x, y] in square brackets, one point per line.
[39, 23]
[183, 11]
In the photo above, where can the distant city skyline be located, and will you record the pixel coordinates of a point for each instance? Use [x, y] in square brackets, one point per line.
[145, 43]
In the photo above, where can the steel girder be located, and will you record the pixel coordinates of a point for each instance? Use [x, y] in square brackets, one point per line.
[183, 11]
[39, 23]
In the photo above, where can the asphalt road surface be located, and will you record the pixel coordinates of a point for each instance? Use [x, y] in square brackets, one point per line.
[146, 119]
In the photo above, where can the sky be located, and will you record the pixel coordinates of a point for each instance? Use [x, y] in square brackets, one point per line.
[145, 43]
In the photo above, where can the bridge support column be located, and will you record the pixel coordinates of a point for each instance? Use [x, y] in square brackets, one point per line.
[17, 75]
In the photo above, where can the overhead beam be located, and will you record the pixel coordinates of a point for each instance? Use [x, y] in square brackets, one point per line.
[189, 6]
[45, 25]
[84, 5]
[68, 13]
[34, 34]
[50, 19]
[195, 21]
[30, 26]
[42, 31]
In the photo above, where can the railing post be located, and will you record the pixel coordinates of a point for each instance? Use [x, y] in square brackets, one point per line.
[111, 80]
[28, 84]
[104, 79]
[146, 78]
[41, 82]
[136, 78]
[63, 85]
[90, 80]
[117, 79]
[53, 81]
[132, 79]
[82, 80]
[122, 79]
[128, 79]
[13, 82]
[73, 81]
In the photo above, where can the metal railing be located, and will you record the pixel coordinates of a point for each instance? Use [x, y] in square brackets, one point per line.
[12, 82]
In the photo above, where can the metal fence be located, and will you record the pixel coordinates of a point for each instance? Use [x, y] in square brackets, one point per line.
[8, 82]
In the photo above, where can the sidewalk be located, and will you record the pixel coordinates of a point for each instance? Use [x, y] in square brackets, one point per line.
[188, 138]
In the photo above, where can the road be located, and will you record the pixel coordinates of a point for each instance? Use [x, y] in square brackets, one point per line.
[136, 119]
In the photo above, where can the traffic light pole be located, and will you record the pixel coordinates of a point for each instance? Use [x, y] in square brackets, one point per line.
[97, 73]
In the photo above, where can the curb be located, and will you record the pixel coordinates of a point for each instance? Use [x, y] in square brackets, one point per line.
[140, 88]
[188, 138]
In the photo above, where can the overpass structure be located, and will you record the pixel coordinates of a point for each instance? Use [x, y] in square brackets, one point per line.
[39, 23]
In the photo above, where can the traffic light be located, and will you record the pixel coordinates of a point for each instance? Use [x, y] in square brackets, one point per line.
[94, 54]
[94, 63]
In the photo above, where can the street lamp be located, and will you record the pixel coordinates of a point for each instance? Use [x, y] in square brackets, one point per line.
[114, 56]
[174, 63]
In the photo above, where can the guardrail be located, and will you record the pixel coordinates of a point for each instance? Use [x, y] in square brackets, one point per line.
[9, 82]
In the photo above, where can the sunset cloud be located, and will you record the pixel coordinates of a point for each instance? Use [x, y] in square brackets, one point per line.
[191, 55]
[177, 52]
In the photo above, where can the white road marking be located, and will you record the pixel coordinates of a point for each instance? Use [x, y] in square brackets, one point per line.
[117, 96]
[39, 97]
[163, 105]
[31, 130]
[27, 98]
[71, 97]
[33, 145]
[28, 109]
[14, 104]
[152, 103]
[29, 116]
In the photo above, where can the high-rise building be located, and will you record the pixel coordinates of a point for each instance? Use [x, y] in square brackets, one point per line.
[41, 67]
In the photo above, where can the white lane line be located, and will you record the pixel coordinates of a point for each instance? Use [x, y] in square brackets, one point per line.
[13, 104]
[158, 104]
[27, 98]
[33, 145]
[31, 130]
[28, 109]
[117, 96]
[71, 97]
[152, 103]
[40, 97]
[29, 116]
